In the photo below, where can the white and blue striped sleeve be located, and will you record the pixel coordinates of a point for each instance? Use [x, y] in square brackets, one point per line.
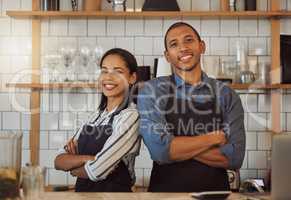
[124, 141]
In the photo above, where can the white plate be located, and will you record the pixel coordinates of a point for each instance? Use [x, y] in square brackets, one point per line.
[211, 195]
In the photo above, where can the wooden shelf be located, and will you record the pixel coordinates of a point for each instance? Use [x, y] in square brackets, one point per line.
[285, 14]
[237, 86]
[282, 86]
[260, 86]
[167, 14]
[41, 86]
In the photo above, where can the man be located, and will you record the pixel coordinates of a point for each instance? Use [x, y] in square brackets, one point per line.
[192, 125]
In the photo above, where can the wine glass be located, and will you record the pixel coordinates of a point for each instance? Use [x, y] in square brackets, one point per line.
[84, 61]
[97, 55]
[68, 56]
[52, 61]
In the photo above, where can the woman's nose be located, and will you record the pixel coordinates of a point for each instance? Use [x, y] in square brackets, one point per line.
[110, 74]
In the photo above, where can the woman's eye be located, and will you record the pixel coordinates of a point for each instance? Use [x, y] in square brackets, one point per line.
[172, 45]
[104, 71]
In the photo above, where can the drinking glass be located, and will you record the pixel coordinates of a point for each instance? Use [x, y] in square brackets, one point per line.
[33, 181]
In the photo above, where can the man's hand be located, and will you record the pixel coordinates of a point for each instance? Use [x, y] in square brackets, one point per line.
[218, 137]
[187, 147]
[72, 147]
[214, 158]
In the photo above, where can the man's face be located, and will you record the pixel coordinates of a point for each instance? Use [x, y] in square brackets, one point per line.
[184, 48]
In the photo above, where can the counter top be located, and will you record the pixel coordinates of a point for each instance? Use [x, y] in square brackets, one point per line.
[131, 196]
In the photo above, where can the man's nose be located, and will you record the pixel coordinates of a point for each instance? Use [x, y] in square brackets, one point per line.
[183, 47]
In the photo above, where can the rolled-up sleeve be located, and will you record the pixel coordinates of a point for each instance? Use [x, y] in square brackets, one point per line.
[233, 121]
[153, 126]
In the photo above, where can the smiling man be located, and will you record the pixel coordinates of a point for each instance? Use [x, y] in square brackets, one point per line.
[192, 125]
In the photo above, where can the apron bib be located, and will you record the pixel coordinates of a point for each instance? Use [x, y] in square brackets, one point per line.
[91, 142]
[189, 175]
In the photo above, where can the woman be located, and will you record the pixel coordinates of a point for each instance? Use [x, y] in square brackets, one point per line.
[102, 152]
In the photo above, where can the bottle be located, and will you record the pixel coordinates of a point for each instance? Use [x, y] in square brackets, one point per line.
[232, 5]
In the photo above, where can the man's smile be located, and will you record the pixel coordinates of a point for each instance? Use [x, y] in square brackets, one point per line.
[186, 57]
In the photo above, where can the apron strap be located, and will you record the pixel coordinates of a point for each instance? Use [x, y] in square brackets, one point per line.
[121, 107]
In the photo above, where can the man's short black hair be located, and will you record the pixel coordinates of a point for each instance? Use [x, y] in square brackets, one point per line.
[176, 25]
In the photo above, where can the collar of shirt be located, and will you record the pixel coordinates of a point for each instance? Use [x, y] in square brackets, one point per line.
[180, 82]
[200, 92]
[102, 117]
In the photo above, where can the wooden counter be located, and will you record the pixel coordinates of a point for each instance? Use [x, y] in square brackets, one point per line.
[130, 196]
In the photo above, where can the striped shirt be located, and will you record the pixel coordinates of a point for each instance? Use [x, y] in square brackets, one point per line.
[123, 144]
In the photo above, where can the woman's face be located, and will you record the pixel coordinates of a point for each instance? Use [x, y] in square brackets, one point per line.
[115, 76]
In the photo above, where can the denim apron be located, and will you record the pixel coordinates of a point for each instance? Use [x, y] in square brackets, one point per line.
[91, 142]
[189, 175]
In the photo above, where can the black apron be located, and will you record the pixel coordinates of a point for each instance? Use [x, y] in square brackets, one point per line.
[189, 175]
[90, 142]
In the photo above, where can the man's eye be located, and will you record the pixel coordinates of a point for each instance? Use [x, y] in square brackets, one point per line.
[119, 71]
[189, 39]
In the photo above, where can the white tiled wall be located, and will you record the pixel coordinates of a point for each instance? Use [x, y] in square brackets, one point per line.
[63, 111]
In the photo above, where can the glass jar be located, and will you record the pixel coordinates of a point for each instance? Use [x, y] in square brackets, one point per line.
[10, 164]
[228, 70]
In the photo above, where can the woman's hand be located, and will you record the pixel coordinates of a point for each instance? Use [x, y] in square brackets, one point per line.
[72, 147]
[80, 173]
[68, 162]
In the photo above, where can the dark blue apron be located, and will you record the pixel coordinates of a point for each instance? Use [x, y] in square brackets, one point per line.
[90, 142]
[189, 175]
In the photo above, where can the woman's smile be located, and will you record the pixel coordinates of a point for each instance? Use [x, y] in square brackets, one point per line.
[109, 86]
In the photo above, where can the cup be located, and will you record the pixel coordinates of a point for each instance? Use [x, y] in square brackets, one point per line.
[33, 181]
[240, 5]
[50, 5]
[263, 73]
[224, 5]
[92, 5]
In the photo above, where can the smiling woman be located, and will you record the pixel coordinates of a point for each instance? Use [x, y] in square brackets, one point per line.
[102, 152]
[118, 72]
